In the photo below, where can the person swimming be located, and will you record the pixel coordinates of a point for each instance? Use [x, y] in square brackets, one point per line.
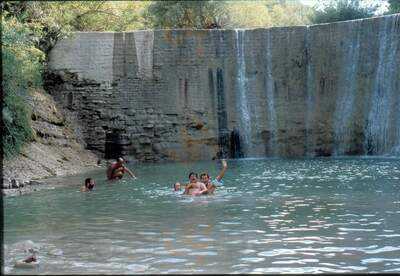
[117, 169]
[212, 184]
[29, 262]
[195, 187]
[89, 185]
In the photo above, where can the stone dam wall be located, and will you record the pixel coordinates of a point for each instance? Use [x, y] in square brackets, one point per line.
[320, 90]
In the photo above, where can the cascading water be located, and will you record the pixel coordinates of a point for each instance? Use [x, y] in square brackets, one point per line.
[270, 99]
[310, 89]
[342, 124]
[244, 119]
[379, 133]
[396, 33]
[144, 41]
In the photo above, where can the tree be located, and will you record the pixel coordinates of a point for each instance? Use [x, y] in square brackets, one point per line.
[342, 10]
[22, 67]
[267, 13]
[394, 6]
[186, 14]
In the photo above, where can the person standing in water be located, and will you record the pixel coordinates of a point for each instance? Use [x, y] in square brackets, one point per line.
[117, 169]
[89, 185]
[194, 187]
[212, 184]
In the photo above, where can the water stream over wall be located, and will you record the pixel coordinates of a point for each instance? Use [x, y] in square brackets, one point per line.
[329, 89]
[380, 130]
[144, 53]
[343, 125]
[243, 108]
[272, 144]
[310, 97]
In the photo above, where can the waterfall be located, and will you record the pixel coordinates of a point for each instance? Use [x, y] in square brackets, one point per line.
[342, 124]
[395, 41]
[223, 133]
[270, 99]
[144, 52]
[310, 90]
[396, 147]
[244, 121]
[378, 129]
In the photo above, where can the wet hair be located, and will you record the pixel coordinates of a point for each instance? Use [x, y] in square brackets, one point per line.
[120, 159]
[193, 173]
[203, 174]
[87, 181]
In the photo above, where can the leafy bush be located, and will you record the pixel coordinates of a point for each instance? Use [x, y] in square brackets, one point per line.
[394, 6]
[22, 68]
[342, 10]
[186, 14]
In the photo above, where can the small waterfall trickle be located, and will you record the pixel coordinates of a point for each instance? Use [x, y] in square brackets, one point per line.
[223, 132]
[342, 124]
[272, 124]
[396, 148]
[244, 120]
[235, 146]
[144, 41]
[310, 100]
[379, 134]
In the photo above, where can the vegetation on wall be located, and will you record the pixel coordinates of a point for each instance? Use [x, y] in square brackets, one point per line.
[22, 67]
[394, 6]
[227, 14]
[341, 10]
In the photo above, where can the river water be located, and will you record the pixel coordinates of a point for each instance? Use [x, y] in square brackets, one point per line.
[270, 216]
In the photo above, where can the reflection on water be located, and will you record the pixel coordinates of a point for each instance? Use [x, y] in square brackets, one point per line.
[270, 216]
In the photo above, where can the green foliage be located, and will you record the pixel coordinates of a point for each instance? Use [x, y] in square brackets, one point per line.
[342, 10]
[226, 14]
[394, 6]
[266, 13]
[186, 14]
[22, 68]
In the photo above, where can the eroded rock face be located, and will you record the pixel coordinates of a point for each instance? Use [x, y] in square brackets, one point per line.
[55, 151]
[179, 94]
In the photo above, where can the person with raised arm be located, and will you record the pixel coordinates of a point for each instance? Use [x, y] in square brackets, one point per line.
[117, 169]
[212, 184]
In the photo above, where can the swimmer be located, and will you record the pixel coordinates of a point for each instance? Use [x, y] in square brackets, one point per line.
[117, 169]
[178, 186]
[28, 262]
[89, 185]
[212, 184]
[195, 187]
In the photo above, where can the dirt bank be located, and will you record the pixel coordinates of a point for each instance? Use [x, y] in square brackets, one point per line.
[55, 151]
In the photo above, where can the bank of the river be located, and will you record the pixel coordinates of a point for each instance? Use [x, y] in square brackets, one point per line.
[56, 150]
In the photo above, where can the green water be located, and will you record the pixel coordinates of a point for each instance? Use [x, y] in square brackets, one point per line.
[270, 216]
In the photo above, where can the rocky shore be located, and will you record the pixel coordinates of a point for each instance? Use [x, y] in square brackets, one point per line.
[56, 150]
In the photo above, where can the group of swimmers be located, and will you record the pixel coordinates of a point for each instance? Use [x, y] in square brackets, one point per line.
[206, 185]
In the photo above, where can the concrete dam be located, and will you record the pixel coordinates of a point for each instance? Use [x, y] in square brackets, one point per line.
[320, 90]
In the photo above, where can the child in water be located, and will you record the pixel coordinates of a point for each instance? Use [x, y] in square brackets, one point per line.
[89, 185]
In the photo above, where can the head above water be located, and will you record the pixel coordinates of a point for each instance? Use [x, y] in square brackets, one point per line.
[89, 183]
[193, 177]
[120, 160]
[177, 186]
[204, 177]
